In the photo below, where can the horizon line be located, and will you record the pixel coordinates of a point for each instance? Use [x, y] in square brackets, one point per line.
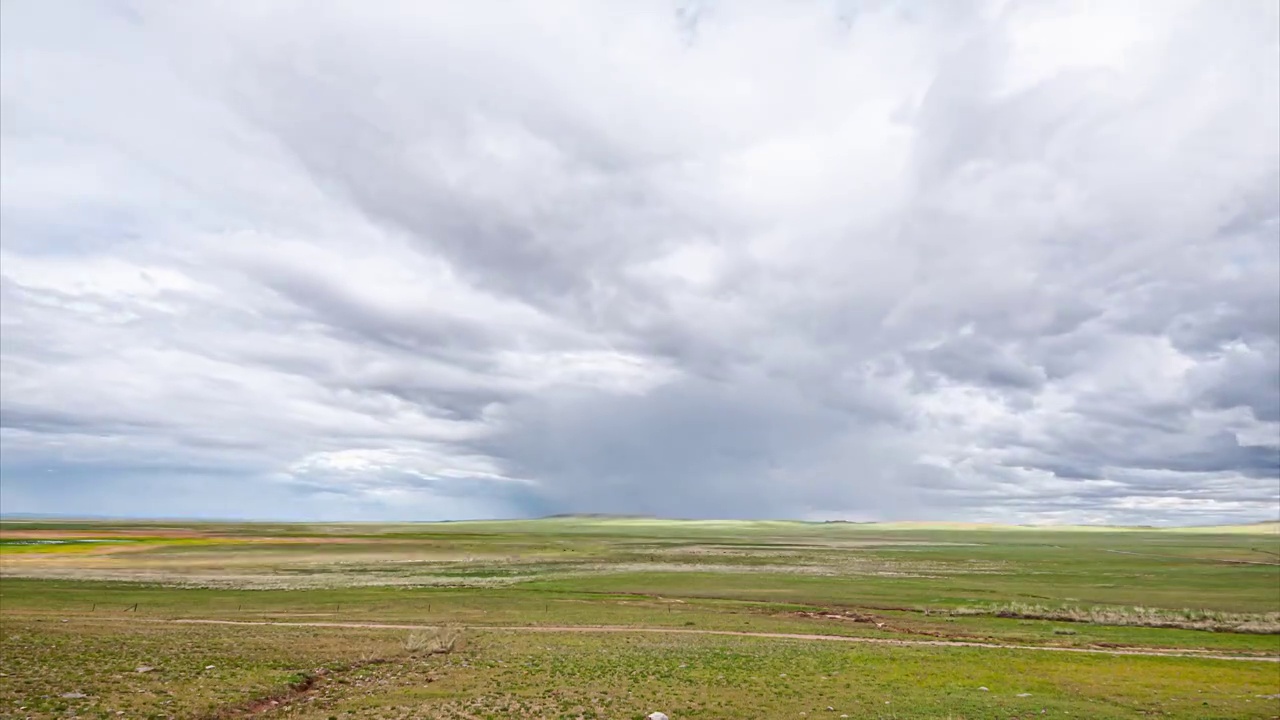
[28, 516]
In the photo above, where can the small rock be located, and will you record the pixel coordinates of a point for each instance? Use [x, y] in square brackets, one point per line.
[143, 669]
[831, 708]
[74, 695]
[984, 689]
[209, 667]
[657, 716]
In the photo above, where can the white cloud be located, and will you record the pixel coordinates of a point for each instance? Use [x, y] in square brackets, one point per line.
[996, 260]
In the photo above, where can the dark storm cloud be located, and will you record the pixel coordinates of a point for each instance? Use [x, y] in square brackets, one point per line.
[994, 261]
[978, 360]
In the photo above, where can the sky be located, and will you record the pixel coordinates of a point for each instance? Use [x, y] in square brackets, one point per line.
[993, 261]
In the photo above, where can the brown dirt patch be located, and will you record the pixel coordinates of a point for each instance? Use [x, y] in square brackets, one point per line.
[884, 624]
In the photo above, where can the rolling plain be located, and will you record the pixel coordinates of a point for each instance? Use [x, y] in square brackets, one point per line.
[587, 617]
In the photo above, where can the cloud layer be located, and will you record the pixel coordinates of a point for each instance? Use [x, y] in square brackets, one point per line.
[1009, 261]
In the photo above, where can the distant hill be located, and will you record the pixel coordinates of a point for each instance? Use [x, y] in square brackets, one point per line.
[1263, 527]
[597, 516]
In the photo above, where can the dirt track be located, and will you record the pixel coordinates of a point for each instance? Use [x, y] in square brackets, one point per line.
[743, 633]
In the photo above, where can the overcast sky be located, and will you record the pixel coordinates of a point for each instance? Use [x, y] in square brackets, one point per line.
[993, 261]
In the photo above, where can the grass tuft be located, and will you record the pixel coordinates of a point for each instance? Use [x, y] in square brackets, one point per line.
[434, 641]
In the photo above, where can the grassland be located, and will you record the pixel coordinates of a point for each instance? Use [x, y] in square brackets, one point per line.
[614, 618]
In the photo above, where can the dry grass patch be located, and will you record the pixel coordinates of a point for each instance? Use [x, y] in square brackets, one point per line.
[1184, 619]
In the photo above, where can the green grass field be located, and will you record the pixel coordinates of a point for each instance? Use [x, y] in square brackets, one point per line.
[615, 618]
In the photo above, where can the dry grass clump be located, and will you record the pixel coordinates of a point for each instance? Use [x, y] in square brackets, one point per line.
[434, 641]
[1184, 619]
